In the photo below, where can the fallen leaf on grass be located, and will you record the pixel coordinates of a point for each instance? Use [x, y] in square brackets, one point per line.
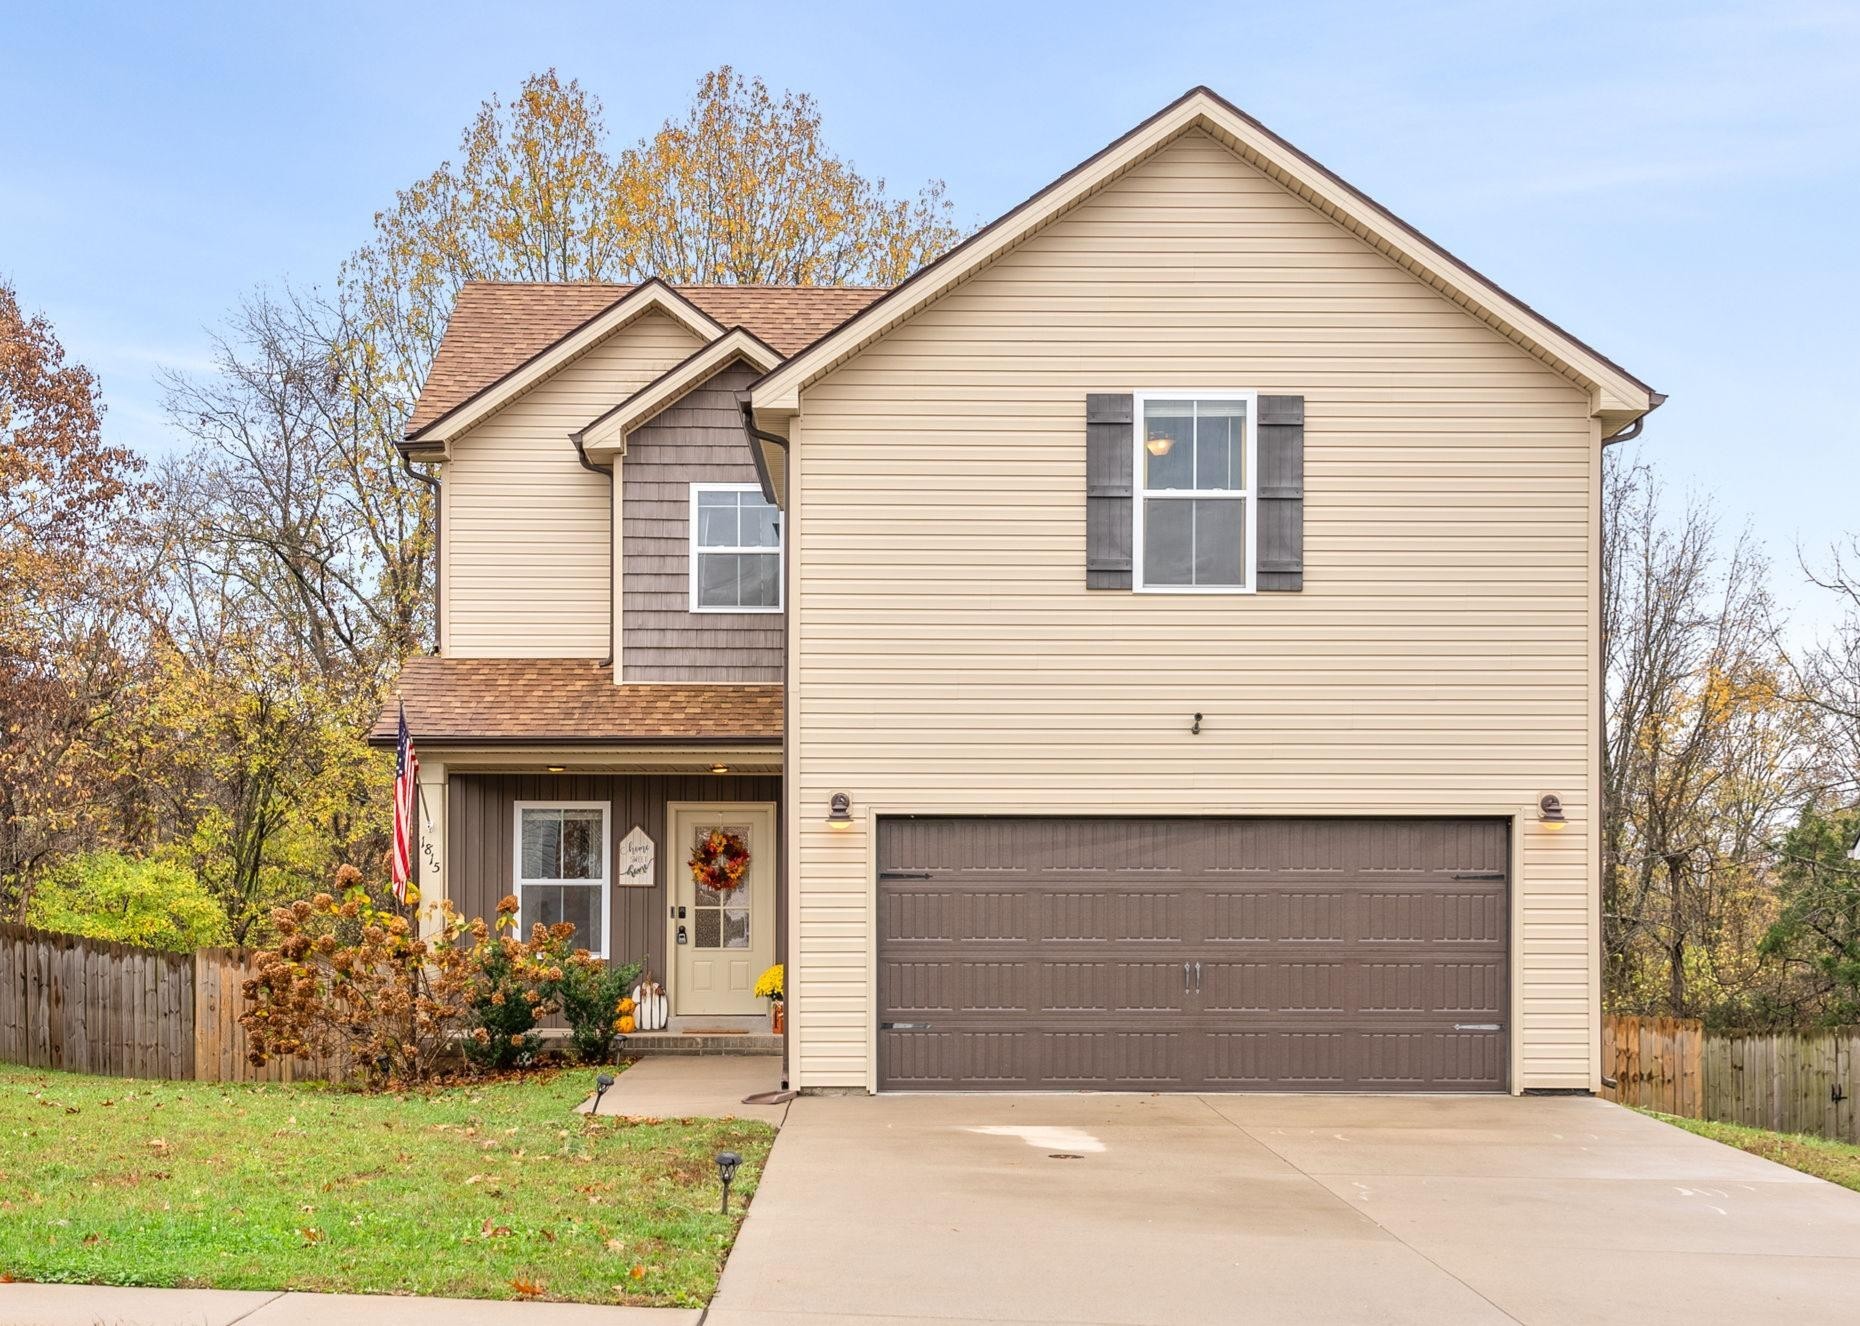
[311, 1235]
[615, 1245]
[527, 1288]
[159, 1145]
[491, 1231]
[638, 1273]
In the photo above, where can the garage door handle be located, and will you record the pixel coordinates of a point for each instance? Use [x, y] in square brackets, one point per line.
[904, 874]
[1480, 874]
[1476, 1026]
[904, 1026]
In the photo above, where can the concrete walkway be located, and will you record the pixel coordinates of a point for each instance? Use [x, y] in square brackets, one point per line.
[696, 1086]
[1156, 1210]
[102, 1305]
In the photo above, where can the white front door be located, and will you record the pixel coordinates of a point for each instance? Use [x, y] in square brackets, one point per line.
[721, 941]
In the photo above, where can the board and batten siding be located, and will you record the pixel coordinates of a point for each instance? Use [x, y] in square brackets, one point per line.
[527, 530]
[945, 655]
[699, 439]
[482, 847]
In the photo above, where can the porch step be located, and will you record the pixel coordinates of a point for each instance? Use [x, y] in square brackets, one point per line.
[701, 1042]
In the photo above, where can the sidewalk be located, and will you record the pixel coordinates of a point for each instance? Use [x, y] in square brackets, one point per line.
[105, 1305]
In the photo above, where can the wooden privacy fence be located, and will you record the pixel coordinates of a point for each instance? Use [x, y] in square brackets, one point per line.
[95, 1007]
[1791, 1082]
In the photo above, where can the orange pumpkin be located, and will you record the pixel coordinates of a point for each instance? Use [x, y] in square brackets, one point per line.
[626, 1026]
[626, 1004]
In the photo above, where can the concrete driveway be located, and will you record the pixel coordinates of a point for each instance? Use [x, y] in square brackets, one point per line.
[1178, 1209]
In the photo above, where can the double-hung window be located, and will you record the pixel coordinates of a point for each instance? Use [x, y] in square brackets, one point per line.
[562, 869]
[1194, 526]
[735, 549]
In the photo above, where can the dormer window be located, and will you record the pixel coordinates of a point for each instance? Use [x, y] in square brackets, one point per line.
[736, 554]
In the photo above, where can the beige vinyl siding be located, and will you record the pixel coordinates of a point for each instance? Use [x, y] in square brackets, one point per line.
[527, 531]
[945, 655]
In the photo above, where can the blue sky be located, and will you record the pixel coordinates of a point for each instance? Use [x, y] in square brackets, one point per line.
[1675, 183]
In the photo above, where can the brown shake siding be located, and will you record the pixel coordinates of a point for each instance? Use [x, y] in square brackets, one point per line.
[697, 440]
[483, 841]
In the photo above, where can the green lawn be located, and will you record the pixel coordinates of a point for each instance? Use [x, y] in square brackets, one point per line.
[1837, 1162]
[485, 1192]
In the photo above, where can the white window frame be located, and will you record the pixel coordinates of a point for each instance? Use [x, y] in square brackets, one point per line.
[604, 884]
[780, 549]
[1248, 495]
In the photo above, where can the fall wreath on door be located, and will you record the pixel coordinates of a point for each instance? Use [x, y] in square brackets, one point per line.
[720, 861]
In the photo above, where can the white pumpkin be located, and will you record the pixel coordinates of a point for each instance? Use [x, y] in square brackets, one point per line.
[651, 1010]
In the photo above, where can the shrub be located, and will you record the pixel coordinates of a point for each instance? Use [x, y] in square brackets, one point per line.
[589, 993]
[150, 903]
[351, 982]
[511, 986]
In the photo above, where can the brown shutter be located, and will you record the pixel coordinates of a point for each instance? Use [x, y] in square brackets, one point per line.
[1281, 494]
[1108, 451]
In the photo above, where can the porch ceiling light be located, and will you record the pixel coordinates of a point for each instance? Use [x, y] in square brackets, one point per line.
[720, 768]
[839, 811]
[1550, 811]
[555, 768]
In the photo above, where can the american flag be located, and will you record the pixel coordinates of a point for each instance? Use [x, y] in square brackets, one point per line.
[406, 788]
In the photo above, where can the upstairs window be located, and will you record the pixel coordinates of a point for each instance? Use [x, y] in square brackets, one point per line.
[735, 549]
[1194, 523]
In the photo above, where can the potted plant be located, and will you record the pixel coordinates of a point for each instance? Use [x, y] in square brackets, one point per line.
[769, 987]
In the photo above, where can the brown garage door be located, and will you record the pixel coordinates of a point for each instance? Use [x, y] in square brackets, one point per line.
[1192, 954]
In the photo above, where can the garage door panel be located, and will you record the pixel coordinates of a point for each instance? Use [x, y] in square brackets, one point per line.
[1186, 954]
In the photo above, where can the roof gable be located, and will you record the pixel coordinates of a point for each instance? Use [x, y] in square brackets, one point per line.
[1617, 395]
[607, 433]
[497, 328]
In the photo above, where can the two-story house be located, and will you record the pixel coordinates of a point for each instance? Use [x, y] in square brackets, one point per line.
[1155, 647]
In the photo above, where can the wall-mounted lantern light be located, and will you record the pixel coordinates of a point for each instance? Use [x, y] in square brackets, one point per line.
[839, 811]
[1550, 811]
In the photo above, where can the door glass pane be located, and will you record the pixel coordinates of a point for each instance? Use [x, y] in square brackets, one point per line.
[735, 928]
[717, 523]
[1217, 540]
[1169, 444]
[1168, 541]
[708, 927]
[542, 844]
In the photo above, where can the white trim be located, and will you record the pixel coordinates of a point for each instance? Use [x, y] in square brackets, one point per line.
[1247, 496]
[693, 550]
[654, 294]
[604, 883]
[780, 390]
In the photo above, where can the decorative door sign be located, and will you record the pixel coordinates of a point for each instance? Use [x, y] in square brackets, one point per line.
[636, 856]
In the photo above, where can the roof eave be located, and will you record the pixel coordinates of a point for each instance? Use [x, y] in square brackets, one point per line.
[779, 391]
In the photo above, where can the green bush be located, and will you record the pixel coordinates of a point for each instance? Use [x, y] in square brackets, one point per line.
[588, 994]
[150, 903]
[511, 984]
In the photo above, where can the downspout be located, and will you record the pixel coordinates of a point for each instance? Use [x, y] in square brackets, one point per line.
[432, 486]
[787, 597]
[613, 533]
[1627, 434]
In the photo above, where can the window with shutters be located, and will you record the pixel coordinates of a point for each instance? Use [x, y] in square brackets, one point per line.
[1194, 526]
[735, 549]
